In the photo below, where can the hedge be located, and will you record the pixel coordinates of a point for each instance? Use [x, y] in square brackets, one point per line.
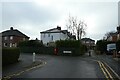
[10, 55]
[68, 43]
[74, 46]
[118, 45]
[31, 43]
[38, 50]
[101, 45]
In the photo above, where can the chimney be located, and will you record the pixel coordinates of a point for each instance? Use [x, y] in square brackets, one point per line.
[58, 27]
[11, 28]
[118, 29]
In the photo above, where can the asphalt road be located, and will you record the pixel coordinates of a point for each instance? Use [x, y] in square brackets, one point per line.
[63, 67]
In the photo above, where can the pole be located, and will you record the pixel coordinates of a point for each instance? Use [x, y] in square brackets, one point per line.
[34, 57]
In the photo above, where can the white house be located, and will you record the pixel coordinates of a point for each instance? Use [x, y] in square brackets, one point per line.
[55, 34]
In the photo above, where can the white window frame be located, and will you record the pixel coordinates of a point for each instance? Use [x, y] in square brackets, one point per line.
[44, 35]
[11, 45]
[23, 39]
[48, 34]
[11, 37]
[5, 45]
[52, 37]
[5, 38]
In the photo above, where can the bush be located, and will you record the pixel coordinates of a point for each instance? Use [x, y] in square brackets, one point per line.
[10, 55]
[101, 46]
[70, 45]
[38, 50]
[31, 43]
[118, 45]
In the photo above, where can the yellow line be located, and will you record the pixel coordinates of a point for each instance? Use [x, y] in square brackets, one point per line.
[112, 71]
[107, 71]
[19, 73]
[103, 70]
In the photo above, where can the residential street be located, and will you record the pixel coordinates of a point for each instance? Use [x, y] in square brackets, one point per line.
[59, 67]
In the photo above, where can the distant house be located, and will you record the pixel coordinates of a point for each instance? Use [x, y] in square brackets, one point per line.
[11, 38]
[55, 34]
[88, 42]
[112, 37]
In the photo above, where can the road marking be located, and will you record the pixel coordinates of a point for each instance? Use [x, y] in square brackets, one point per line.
[103, 70]
[112, 70]
[107, 71]
[108, 67]
[21, 72]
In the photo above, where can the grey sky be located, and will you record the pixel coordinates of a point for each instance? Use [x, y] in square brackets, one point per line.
[33, 17]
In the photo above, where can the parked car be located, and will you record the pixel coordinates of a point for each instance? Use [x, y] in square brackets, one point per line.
[110, 48]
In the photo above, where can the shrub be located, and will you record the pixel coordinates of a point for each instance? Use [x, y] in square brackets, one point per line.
[68, 43]
[71, 45]
[10, 55]
[118, 45]
[101, 46]
[38, 50]
[31, 43]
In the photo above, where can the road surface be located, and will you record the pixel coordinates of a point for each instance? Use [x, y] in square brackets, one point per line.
[64, 67]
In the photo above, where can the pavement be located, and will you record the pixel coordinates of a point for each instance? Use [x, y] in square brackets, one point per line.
[24, 64]
[111, 61]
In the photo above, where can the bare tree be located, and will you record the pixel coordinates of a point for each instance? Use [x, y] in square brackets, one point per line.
[76, 27]
[108, 34]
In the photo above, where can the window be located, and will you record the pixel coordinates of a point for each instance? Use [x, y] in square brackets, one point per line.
[10, 44]
[23, 39]
[11, 37]
[49, 35]
[5, 38]
[52, 38]
[15, 44]
[44, 35]
[5, 44]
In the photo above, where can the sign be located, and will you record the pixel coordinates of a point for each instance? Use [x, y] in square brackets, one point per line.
[67, 51]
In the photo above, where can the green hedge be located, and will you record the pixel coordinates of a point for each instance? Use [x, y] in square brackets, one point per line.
[10, 55]
[118, 45]
[31, 43]
[101, 46]
[38, 50]
[70, 45]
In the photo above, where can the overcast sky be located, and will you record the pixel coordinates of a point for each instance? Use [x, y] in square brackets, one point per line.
[38, 15]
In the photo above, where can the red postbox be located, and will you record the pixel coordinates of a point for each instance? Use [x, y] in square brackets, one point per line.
[55, 51]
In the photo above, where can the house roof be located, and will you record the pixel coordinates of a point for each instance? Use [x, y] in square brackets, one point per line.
[58, 30]
[53, 30]
[87, 39]
[13, 32]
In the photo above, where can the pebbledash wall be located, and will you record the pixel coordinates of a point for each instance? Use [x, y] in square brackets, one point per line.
[52, 37]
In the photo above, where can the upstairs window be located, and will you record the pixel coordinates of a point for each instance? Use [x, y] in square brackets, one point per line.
[44, 35]
[23, 39]
[11, 37]
[5, 38]
[52, 38]
[49, 35]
